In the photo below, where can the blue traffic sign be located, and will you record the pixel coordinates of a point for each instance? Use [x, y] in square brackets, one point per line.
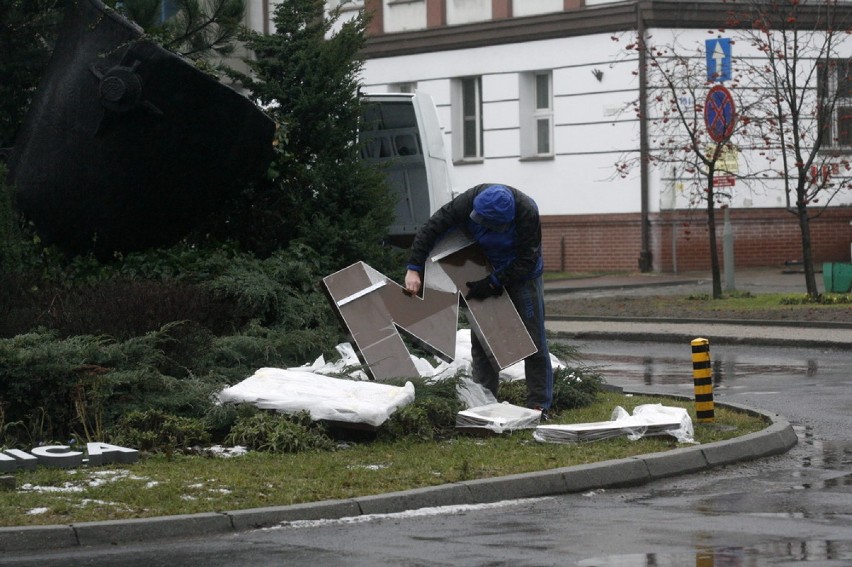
[718, 59]
[719, 113]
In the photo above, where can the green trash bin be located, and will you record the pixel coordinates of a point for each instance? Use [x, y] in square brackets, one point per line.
[837, 277]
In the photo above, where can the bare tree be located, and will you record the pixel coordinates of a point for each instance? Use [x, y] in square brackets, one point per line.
[806, 101]
[679, 139]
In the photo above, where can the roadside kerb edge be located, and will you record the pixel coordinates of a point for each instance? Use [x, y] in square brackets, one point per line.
[110, 532]
[257, 518]
[451, 494]
[777, 438]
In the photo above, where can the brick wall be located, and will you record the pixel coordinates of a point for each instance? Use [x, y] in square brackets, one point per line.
[579, 243]
[679, 240]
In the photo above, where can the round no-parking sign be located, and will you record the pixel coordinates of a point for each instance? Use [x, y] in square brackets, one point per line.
[719, 113]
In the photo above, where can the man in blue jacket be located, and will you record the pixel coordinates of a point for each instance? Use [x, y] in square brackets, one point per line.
[505, 222]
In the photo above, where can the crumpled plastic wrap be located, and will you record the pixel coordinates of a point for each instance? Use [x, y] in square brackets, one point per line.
[647, 419]
[326, 398]
[473, 394]
[315, 387]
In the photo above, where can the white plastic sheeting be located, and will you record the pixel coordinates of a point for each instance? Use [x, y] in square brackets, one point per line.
[315, 387]
[647, 419]
[463, 362]
[326, 398]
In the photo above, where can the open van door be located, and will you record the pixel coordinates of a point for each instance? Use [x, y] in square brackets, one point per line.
[402, 136]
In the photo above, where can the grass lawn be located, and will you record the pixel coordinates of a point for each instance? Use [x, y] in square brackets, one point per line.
[159, 485]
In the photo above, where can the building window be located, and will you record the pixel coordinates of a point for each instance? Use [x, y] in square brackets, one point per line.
[536, 114]
[467, 122]
[543, 113]
[835, 102]
[403, 88]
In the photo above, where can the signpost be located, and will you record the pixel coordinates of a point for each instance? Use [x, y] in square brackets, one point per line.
[724, 181]
[718, 59]
[727, 164]
[719, 113]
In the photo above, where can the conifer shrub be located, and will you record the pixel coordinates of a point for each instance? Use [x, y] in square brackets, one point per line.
[572, 388]
[157, 431]
[55, 389]
[273, 432]
[432, 414]
[122, 308]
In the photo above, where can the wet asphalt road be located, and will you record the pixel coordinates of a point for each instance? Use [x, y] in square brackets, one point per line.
[791, 509]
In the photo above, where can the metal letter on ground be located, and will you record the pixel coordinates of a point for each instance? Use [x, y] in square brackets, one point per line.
[702, 375]
[374, 309]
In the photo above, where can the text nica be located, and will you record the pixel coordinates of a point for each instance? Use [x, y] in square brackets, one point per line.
[97, 454]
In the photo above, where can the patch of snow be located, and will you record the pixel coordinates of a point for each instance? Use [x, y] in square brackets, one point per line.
[418, 513]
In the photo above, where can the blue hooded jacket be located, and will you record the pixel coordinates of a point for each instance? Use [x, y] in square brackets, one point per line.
[503, 220]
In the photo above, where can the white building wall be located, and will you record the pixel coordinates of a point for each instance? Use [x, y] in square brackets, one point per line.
[595, 123]
[594, 120]
[588, 139]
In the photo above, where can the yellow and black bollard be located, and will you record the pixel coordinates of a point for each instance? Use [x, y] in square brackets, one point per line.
[702, 375]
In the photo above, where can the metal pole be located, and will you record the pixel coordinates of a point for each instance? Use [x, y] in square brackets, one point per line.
[728, 250]
[674, 245]
[645, 260]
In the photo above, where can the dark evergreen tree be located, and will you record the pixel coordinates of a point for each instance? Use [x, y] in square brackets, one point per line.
[27, 33]
[197, 29]
[319, 191]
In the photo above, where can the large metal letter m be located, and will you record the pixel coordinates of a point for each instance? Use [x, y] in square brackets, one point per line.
[374, 310]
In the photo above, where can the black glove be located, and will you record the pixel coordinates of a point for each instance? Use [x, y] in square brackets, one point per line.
[482, 289]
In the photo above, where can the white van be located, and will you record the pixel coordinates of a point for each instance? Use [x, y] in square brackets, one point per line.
[402, 136]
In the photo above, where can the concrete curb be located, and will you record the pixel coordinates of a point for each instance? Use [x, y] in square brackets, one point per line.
[793, 333]
[685, 338]
[777, 438]
[737, 322]
[555, 288]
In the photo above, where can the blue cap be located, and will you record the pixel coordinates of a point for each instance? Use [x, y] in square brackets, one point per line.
[494, 208]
